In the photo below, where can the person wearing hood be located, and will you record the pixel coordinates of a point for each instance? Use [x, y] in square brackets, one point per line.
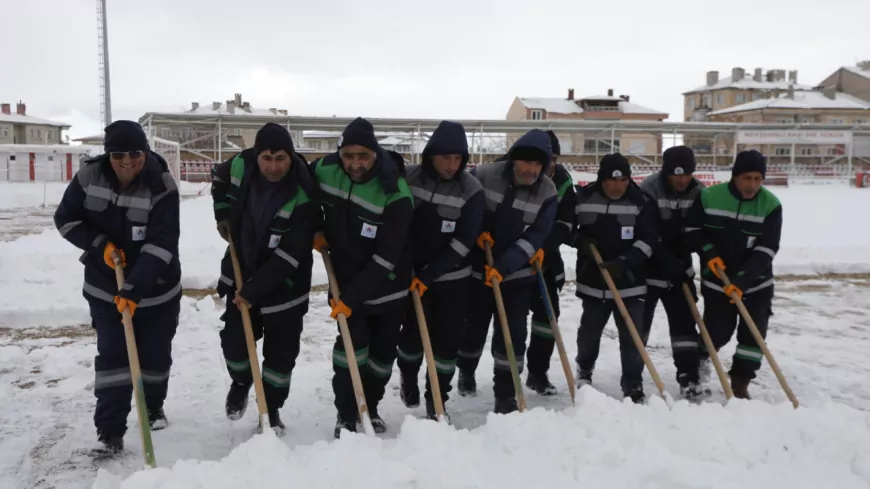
[541, 344]
[736, 227]
[448, 212]
[367, 209]
[126, 201]
[672, 191]
[262, 197]
[520, 212]
[613, 215]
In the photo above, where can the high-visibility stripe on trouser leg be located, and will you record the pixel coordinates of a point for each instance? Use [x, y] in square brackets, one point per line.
[542, 329]
[409, 357]
[276, 379]
[445, 367]
[749, 353]
[118, 377]
[340, 359]
[379, 368]
[238, 366]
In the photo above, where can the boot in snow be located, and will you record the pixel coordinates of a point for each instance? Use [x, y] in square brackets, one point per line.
[636, 394]
[691, 389]
[584, 377]
[110, 445]
[409, 391]
[431, 414]
[157, 419]
[275, 422]
[740, 386]
[467, 384]
[377, 422]
[237, 400]
[505, 405]
[540, 383]
[343, 424]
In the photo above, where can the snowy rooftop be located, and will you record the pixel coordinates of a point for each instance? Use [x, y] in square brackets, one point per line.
[858, 71]
[209, 109]
[565, 106]
[747, 83]
[26, 119]
[801, 100]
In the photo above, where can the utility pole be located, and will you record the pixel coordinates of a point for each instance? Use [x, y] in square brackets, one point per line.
[103, 44]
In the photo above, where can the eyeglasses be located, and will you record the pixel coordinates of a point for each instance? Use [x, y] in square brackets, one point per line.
[119, 155]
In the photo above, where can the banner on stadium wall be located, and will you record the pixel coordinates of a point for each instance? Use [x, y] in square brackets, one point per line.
[794, 137]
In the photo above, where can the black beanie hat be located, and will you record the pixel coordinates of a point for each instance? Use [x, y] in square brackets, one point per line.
[125, 136]
[613, 166]
[678, 160]
[359, 132]
[748, 161]
[528, 153]
[274, 138]
[554, 143]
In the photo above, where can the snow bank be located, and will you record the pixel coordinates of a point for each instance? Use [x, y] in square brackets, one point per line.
[601, 443]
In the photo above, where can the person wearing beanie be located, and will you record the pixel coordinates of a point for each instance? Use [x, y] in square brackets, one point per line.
[735, 228]
[613, 215]
[367, 208]
[520, 213]
[262, 202]
[447, 217]
[541, 342]
[672, 191]
[125, 203]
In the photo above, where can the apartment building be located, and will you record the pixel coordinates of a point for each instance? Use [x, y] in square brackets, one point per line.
[21, 128]
[852, 80]
[606, 108]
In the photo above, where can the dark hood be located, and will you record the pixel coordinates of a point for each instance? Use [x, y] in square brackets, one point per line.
[535, 139]
[449, 138]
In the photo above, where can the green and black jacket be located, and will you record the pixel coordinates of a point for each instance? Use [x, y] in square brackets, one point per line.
[366, 225]
[282, 281]
[744, 232]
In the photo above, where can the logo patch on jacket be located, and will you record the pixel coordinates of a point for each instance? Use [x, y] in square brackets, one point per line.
[369, 230]
[274, 240]
[627, 232]
[448, 226]
[139, 233]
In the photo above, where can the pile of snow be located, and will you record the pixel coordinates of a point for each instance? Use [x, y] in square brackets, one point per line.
[600, 443]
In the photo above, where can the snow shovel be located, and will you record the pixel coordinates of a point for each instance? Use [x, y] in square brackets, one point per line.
[554, 326]
[249, 338]
[638, 343]
[430, 357]
[349, 352]
[708, 342]
[135, 372]
[506, 334]
[758, 339]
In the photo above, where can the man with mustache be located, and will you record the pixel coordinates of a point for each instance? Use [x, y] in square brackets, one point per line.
[126, 201]
[261, 196]
[367, 209]
[614, 215]
[520, 211]
[448, 210]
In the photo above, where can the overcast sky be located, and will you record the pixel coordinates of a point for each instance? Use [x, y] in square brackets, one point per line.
[405, 58]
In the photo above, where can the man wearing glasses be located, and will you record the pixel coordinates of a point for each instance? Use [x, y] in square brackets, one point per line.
[367, 210]
[126, 201]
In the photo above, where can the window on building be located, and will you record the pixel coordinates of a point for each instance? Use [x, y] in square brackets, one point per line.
[4, 133]
[315, 145]
[739, 98]
[720, 99]
[838, 121]
[537, 115]
[807, 119]
[860, 121]
[784, 120]
[782, 151]
[600, 146]
[691, 102]
[51, 158]
[808, 151]
[38, 133]
[705, 101]
[756, 95]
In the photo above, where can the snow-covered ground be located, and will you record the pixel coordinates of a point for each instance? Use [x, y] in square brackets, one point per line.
[819, 335]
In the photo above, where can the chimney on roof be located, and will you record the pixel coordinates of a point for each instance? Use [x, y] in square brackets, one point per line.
[609, 92]
[757, 75]
[231, 106]
[780, 75]
[273, 110]
[238, 100]
[6, 108]
[215, 106]
[194, 106]
[790, 91]
[792, 76]
[830, 92]
[737, 74]
[246, 106]
[712, 78]
[284, 111]
[20, 108]
[625, 97]
[570, 94]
